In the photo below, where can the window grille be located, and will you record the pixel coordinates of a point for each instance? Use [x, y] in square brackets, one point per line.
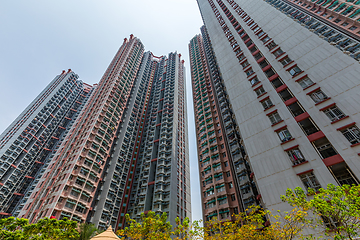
[296, 156]
[260, 91]
[295, 70]
[274, 118]
[352, 134]
[334, 113]
[284, 135]
[310, 181]
[305, 82]
[318, 96]
[267, 103]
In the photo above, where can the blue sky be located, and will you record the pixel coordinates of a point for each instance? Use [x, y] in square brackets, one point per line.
[40, 38]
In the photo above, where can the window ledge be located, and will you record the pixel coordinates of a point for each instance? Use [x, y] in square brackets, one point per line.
[297, 74]
[322, 101]
[250, 75]
[287, 141]
[282, 54]
[339, 120]
[288, 64]
[269, 108]
[354, 145]
[277, 123]
[309, 86]
[261, 94]
[300, 164]
[256, 84]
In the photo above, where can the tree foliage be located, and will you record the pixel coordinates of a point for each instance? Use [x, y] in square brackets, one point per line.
[253, 225]
[87, 231]
[151, 226]
[336, 208]
[45, 229]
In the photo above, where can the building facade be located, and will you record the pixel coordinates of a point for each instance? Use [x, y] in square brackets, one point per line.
[291, 78]
[225, 173]
[96, 153]
[29, 143]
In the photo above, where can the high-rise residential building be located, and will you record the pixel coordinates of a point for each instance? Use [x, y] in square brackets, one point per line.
[225, 174]
[291, 78]
[149, 169]
[28, 144]
[96, 153]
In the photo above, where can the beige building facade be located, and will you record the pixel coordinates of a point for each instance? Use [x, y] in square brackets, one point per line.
[294, 93]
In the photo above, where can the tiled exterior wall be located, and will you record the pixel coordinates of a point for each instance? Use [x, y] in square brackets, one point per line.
[293, 95]
[29, 143]
[226, 176]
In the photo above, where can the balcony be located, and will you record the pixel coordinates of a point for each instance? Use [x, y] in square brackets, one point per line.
[324, 148]
[308, 126]
[295, 108]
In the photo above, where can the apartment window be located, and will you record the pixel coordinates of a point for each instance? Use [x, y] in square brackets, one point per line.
[352, 28]
[334, 113]
[318, 96]
[331, 17]
[228, 174]
[245, 189]
[230, 185]
[310, 181]
[233, 197]
[352, 134]
[285, 61]
[219, 177]
[278, 52]
[305, 82]
[265, 39]
[274, 118]
[220, 188]
[296, 156]
[249, 72]
[261, 33]
[245, 64]
[271, 45]
[254, 81]
[259, 91]
[267, 103]
[284, 135]
[295, 70]
[222, 200]
[337, 20]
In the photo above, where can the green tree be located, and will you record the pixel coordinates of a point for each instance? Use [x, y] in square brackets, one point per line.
[337, 208]
[253, 225]
[87, 231]
[151, 226]
[45, 229]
